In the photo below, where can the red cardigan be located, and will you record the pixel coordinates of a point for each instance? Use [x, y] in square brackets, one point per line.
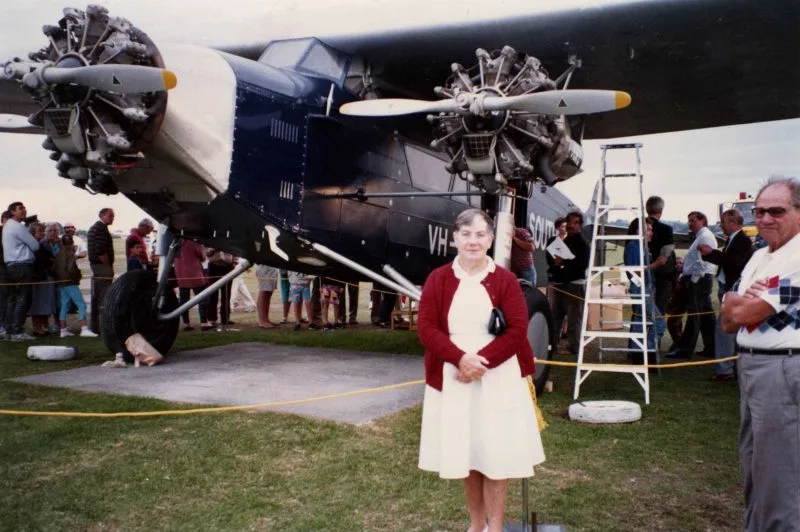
[505, 293]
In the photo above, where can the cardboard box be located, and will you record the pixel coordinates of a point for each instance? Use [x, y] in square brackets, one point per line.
[612, 312]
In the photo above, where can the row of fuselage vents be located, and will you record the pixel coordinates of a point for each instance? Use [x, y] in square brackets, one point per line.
[284, 131]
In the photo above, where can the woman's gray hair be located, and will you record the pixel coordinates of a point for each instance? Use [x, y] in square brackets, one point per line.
[468, 216]
[792, 183]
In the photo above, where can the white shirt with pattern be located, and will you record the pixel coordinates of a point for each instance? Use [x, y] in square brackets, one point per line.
[781, 270]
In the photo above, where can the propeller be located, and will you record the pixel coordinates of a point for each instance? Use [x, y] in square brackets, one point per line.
[554, 102]
[13, 122]
[397, 107]
[119, 78]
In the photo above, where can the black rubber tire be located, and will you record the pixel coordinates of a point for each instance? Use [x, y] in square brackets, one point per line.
[128, 310]
[540, 333]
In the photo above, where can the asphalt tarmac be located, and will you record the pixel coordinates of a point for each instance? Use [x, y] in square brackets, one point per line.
[255, 373]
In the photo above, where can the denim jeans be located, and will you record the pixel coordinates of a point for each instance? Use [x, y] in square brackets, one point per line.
[724, 343]
[19, 298]
[636, 322]
[529, 275]
[4, 291]
[71, 293]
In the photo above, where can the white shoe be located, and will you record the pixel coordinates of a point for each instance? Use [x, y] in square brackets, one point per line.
[53, 328]
[66, 333]
[86, 332]
[21, 337]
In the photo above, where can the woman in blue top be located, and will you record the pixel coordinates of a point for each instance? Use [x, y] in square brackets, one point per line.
[631, 258]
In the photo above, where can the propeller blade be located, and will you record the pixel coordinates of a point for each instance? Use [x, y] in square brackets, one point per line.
[14, 122]
[396, 107]
[114, 78]
[561, 102]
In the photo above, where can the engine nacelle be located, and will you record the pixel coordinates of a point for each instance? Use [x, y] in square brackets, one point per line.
[505, 147]
[94, 134]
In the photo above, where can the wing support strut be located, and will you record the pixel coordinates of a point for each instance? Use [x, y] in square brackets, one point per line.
[328, 252]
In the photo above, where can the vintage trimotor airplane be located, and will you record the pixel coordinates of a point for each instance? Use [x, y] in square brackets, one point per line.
[300, 153]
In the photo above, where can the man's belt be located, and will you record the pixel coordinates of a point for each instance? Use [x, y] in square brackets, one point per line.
[759, 351]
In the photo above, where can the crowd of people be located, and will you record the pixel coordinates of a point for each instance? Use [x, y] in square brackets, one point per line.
[479, 422]
[677, 290]
[40, 278]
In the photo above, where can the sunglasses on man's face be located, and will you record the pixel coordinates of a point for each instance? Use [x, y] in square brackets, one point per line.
[775, 212]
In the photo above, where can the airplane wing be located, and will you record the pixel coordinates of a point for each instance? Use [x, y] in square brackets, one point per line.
[688, 64]
[15, 101]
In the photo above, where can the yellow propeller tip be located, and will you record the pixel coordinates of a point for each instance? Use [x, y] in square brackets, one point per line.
[622, 100]
[170, 79]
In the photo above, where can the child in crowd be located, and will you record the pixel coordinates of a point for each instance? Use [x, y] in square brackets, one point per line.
[134, 262]
[331, 296]
[68, 278]
[300, 293]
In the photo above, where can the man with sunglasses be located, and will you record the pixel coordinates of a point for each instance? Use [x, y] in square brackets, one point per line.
[764, 311]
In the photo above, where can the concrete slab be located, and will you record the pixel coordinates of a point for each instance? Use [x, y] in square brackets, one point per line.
[253, 373]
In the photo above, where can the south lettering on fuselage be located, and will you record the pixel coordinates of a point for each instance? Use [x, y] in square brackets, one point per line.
[439, 240]
[541, 228]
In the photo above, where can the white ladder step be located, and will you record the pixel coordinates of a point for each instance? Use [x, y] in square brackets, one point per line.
[618, 237]
[619, 207]
[613, 368]
[620, 268]
[612, 301]
[626, 146]
[613, 334]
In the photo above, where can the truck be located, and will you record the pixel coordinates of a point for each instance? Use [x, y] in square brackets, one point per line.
[744, 204]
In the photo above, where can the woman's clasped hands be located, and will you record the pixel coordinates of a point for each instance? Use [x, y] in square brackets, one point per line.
[471, 367]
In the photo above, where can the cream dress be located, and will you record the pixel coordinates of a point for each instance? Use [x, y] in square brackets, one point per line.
[488, 425]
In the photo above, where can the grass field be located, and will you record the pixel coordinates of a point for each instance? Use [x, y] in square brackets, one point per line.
[676, 469]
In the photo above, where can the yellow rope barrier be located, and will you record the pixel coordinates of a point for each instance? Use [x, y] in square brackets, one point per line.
[277, 404]
[607, 305]
[663, 366]
[210, 409]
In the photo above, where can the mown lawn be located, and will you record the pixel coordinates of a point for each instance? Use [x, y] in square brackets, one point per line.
[677, 469]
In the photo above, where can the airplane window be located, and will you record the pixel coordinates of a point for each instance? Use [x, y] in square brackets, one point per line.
[285, 54]
[324, 61]
[427, 171]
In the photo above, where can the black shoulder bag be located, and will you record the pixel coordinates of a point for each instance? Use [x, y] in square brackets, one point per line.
[497, 322]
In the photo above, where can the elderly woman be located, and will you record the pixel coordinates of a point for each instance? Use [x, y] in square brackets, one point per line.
[43, 298]
[478, 418]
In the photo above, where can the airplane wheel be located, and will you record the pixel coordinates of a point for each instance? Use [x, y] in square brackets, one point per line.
[128, 310]
[540, 333]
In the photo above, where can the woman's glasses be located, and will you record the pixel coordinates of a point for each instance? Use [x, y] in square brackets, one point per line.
[775, 212]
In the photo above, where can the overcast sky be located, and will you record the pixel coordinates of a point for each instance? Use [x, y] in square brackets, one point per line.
[691, 170]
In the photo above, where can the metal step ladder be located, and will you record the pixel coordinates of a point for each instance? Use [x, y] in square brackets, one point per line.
[600, 271]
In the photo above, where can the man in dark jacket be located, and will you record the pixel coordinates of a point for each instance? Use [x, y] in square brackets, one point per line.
[101, 260]
[731, 260]
[662, 252]
[568, 282]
